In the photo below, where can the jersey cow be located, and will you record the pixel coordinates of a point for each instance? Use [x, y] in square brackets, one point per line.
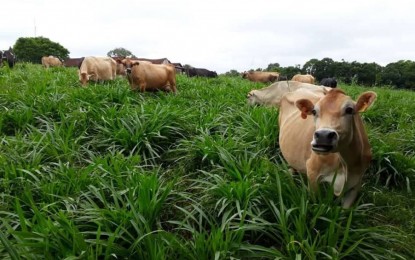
[97, 69]
[324, 137]
[147, 76]
[261, 76]
[51, 61]
[304, 78]
[272, 95]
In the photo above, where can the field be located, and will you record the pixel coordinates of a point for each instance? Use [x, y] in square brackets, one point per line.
[105, 173]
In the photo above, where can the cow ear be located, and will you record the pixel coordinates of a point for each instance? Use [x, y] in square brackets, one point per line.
[305, 106]
[135, 63]
[365, 100]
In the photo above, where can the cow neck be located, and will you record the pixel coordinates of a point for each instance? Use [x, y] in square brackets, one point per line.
[352, 153]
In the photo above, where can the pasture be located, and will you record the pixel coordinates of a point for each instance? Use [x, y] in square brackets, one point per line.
[106, 173]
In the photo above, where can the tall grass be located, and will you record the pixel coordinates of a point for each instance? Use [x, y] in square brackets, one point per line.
[102, 172]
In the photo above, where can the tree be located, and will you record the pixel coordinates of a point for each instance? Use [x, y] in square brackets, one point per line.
[273, 67]
[120, 52]
[233, 73]
[32, 49]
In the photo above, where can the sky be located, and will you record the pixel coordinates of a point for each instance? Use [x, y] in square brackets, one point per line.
[221, 35]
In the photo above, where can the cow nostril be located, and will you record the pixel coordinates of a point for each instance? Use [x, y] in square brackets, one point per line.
[331, 135]
[316, 135]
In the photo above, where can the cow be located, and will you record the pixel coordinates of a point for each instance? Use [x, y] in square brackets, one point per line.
[150, 77]
[200, 72]
[329, 82]
[303, 78]
[261, 76]
[324, 137]
[51, 61]
[97, 69]
[8, 56]
[271, 95]
[73, 62]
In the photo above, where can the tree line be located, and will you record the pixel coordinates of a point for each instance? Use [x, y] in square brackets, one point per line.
[400, 74]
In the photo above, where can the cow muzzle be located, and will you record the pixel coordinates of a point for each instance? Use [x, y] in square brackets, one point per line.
[325, 141]
[128, 71]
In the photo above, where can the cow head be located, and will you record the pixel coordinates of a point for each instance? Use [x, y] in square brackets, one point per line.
[334, 117]
[83, 78]
[252, 98]
[128, 64]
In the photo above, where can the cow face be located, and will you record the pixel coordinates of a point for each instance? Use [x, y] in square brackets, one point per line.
[83, 78]
[129, 64]
[334, 116]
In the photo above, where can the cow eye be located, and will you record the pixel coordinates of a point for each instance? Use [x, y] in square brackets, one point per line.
[349, 110]
[314, 112]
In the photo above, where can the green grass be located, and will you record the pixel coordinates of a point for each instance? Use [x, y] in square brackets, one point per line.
[102, 173]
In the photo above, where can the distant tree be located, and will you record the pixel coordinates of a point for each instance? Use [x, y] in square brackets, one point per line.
[290, 71]
[310, 67]
[273, 67]
[400, 74]
[232, 73]
[32, 49]
[120, 52]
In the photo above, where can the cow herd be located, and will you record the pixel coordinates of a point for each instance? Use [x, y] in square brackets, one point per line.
[321, 132]
[142, 74]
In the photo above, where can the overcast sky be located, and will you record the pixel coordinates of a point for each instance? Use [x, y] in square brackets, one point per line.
[221, 35]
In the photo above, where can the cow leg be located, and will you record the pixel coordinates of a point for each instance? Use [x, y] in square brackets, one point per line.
[353, 185]
[172, 84]
[142, 87]
[313, 174]
[349, 197]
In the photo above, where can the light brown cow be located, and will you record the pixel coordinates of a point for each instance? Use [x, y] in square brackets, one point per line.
[271, 95]
[121, 71]
[97, 69]
[304, 78]
[51, 61]
[323, 136]
[150, 77]
[261, 76]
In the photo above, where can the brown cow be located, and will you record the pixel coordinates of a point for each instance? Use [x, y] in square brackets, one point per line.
[272, 95]
[304, 78]
[323, 136]
[96, 69]
[148, 76]
[121, 71]
[51, 61]
[261, 76]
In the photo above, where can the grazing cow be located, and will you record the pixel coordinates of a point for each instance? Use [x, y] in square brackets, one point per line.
[304, 78]
[8, 56]
[271, 95]
[73, 62]
[329, 82]
[150, 77]
[51, 61]
[97, 69]
[324, 137]
[200, 72]
[261, 76]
